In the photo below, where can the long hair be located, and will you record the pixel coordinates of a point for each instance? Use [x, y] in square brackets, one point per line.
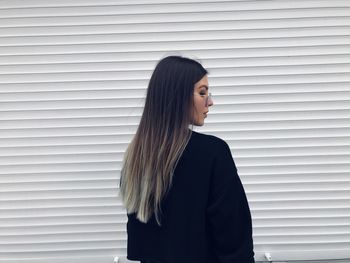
[162, 135]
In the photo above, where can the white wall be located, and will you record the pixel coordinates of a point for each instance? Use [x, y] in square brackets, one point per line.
[73, 76]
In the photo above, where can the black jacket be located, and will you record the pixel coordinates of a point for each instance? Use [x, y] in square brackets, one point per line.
[206, 216]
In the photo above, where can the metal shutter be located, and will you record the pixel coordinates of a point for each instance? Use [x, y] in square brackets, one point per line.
[73, 76]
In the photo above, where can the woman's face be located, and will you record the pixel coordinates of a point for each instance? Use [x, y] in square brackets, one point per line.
[201, 108]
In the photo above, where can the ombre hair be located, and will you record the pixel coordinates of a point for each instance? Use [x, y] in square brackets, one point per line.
[162, 135]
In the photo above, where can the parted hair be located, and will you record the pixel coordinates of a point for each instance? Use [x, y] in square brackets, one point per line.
[161, 137]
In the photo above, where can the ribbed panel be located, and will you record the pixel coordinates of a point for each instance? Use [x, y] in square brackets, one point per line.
[73, 76]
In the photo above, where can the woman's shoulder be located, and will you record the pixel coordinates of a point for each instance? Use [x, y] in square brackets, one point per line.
[209, 139]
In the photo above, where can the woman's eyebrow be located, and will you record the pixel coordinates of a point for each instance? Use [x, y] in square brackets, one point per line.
[204, 86]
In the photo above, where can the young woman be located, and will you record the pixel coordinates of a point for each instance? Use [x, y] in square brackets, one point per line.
[183, 196]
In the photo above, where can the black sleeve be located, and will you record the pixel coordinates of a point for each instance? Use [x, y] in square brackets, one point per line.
[228, 216]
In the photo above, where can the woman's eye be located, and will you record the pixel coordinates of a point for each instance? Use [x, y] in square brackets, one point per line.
[202, 94]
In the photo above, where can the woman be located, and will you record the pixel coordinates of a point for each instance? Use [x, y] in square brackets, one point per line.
[184, 199]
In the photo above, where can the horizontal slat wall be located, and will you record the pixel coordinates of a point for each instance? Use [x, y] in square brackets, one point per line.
[73, 77]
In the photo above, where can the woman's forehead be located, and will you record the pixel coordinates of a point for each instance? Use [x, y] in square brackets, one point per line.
[202, 83]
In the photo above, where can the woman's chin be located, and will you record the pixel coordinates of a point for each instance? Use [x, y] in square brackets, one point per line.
[199, 123]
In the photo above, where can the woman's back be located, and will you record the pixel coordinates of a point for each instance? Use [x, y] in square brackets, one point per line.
[205, 214]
